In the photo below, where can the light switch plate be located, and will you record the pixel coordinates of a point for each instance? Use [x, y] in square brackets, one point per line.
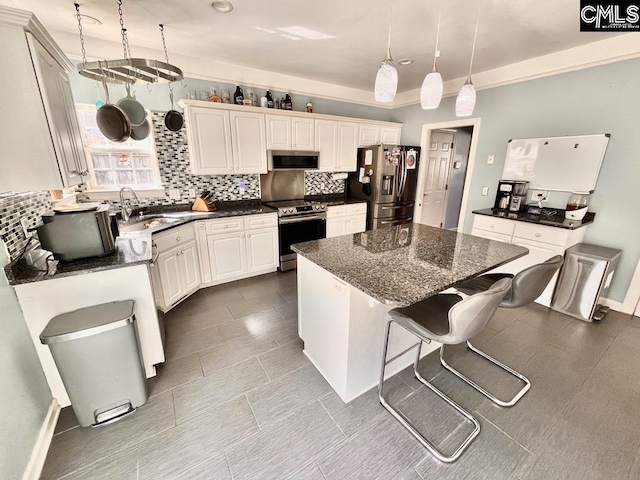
[174, 194]
[490, 159]
[485, 191]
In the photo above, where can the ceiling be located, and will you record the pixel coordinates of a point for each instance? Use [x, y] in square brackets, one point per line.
[509, 32]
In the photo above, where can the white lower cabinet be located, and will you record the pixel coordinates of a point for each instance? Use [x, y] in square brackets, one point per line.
[542, 241]
[227, 255]
[262, 249]
[346, 219]
[179, 273]
[238, 247]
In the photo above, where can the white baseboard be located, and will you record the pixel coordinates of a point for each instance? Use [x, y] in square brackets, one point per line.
[612, 304]
[41, 448]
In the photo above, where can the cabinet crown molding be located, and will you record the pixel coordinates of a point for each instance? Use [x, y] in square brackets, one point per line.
[184, 103]
[30, 23]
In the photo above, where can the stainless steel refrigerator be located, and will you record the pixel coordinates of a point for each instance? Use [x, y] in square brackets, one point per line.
[387, 177]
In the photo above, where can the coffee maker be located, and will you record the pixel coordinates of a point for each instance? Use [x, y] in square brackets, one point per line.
[511, 195]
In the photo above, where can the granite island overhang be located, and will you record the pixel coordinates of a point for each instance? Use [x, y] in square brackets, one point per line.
[347, 284]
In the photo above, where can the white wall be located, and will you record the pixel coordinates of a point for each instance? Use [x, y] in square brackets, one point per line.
[25, 396]
[601, 99]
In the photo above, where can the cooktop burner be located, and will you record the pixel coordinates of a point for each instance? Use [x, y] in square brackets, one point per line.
[297, 207]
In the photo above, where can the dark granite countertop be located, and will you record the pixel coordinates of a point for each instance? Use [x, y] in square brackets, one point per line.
[131, 251]
[405, 264]
[334, 200]
[182, 214]
[549, 220]
[134, 247]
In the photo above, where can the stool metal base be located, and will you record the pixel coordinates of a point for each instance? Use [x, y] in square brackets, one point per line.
[406, 422]
[494, 399]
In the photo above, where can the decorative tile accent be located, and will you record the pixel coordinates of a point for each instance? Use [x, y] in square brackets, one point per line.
[13, 208]
[313, 183]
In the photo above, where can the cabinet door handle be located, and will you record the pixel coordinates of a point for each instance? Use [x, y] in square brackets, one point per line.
[248, 235]
[491, 226]
[538, 235]
[177, 239]
[226, 226]
[242, 236]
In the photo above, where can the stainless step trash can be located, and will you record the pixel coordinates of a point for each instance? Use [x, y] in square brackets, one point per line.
[585, 277]
[97, 353]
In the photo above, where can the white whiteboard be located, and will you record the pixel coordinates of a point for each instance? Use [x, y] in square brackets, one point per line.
[565, 164]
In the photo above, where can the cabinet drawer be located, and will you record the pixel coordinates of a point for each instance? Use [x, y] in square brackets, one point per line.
[497, 225]
[225, 225]
[337, 211]
[166, 240]
[500, 237]
[357, 209]
[537, 233]
[260, 221]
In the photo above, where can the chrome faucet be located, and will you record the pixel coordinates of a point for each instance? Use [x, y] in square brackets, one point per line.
[126, 206]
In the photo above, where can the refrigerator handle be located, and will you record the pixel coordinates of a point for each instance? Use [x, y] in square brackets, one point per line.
[403, 161]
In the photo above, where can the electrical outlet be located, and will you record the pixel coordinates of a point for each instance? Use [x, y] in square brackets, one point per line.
[539, 195]
[192, 193]
[485, 191]
[174, 194]
[242, 186]
[25, 227]
[322, 186]
[490, 159]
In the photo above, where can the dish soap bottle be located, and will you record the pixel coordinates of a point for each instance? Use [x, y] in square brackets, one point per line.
[238, 96]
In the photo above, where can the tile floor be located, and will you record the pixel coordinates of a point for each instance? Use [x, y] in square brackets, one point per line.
[237, 399]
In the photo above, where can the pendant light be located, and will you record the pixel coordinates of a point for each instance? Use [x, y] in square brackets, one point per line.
[386, 83]
[466, 100]
[431, 91]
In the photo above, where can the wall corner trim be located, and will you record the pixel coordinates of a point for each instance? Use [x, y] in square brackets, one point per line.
[41, 447]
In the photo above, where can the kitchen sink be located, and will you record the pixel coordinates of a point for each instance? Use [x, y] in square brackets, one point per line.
[148, 223]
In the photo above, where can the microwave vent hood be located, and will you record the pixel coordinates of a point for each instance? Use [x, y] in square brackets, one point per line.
[293, 160]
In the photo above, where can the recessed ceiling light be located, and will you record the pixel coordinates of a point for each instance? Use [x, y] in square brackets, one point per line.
[222, 6]
[86, 19]
[406, 61]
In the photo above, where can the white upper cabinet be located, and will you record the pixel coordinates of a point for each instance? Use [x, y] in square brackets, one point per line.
[290, 133]
[223, 142]
[249, 142]
[209, 138]
[369, 135]
[390, 135]
[337, 143]
[327, 144]
[303, 130]
[41, 141]
[278, 132]
[347, 151]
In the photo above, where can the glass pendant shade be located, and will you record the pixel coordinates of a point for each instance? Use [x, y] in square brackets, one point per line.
[386, 82]
[466, 100]
[431, 91]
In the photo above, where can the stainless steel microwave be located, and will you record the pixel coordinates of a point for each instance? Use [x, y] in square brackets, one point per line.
[292, 160]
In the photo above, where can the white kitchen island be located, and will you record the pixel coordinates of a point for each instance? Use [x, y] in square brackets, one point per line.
[347, 284]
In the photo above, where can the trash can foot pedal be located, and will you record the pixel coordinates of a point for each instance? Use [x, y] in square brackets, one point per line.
[113, 415]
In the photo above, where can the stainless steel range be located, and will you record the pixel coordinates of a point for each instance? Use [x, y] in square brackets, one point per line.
[298, 221]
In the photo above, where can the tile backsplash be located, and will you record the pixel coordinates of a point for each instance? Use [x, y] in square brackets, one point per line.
[13, 208]
[318, 183]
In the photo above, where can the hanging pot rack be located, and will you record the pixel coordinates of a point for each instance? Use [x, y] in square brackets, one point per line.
[126, 70]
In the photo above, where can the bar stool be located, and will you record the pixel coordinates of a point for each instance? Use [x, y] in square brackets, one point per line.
[526, 286]
[450, 320]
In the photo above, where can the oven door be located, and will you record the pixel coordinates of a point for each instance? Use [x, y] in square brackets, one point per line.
[299, 229]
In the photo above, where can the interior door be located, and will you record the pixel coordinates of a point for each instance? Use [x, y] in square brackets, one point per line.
[435, 164]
